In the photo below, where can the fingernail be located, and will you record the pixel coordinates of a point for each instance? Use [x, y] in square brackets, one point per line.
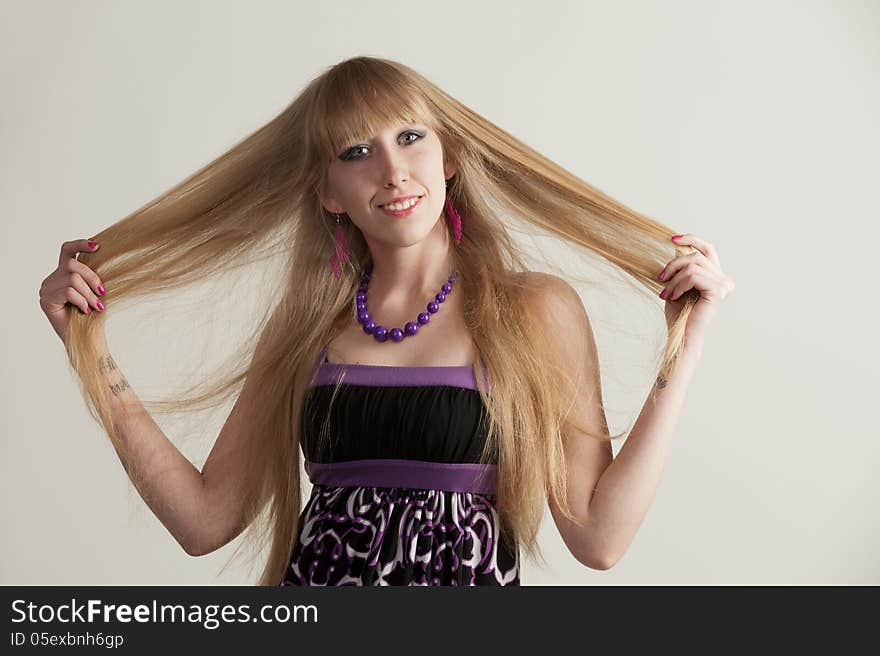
[677, 236]
[660, 277]
[88, 310]
[101, 290]
[663, 294]
[100, 305]
[93, 244]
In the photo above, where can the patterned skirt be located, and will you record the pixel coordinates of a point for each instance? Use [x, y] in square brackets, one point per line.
[365, 535]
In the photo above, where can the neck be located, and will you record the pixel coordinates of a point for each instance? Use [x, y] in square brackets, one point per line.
[406, 275]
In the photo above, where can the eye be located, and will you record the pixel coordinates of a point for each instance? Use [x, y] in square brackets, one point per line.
[350, 154]
[418, 134]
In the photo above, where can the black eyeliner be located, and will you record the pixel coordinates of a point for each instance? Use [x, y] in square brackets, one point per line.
[422, 134]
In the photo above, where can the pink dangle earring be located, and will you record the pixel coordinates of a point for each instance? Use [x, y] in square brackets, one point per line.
[454, 218]
[342, 251]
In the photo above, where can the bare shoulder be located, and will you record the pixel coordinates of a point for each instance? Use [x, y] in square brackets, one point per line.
[548, 293]
[557, 306]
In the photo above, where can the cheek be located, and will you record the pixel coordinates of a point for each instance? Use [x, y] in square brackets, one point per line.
[429, 168]
[351, 190]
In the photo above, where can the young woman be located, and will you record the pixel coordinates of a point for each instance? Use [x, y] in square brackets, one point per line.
[439, 391]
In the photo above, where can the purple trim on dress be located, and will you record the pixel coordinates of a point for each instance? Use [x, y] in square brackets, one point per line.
[389, 472]
[328, 373]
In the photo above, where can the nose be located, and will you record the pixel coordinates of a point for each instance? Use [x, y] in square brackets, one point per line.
[394, 169]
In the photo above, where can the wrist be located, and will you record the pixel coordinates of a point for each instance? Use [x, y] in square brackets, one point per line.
[692, 347]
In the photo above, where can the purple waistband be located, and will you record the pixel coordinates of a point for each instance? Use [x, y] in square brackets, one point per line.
[386, 472]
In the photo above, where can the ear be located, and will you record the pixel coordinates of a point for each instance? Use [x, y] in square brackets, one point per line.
[328, 201]
[449, 169]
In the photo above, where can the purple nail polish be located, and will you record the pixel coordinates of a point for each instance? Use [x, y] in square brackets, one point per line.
[101, 290]
[100, 305]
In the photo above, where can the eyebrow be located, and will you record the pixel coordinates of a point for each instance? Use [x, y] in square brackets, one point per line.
[406, 126]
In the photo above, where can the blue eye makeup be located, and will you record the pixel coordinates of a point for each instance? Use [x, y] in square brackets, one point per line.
[351, 153]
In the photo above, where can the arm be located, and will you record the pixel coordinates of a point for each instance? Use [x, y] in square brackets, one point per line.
[203, 510]
[609, 496]
[627, 487]
[169, 484]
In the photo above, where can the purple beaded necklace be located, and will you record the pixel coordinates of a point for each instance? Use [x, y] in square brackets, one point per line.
[380, 333]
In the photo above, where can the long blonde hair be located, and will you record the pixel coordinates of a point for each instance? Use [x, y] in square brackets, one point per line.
[260, 197]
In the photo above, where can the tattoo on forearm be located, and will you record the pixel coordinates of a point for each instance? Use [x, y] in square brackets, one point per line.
[118, 388]
[107, 364]
[661, 381]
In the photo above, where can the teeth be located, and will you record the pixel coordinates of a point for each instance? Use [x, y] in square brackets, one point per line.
[396, 207]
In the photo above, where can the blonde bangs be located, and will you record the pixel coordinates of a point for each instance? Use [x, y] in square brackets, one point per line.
[357, 104]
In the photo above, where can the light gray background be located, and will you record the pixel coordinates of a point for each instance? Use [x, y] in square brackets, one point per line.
[751, 124]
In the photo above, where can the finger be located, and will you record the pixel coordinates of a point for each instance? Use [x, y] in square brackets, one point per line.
[685, 280]
[677, 263]
[82, 288]
[703, 280]
[89, 275]
[76, 299]
[703, 246]
[70, 249]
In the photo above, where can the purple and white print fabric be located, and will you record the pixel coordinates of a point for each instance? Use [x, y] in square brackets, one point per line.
[377, 536]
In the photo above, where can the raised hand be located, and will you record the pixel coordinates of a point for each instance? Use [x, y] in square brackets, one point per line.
[700, 270]
[71, 283]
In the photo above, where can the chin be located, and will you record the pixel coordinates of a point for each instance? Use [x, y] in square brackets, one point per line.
[406, 234]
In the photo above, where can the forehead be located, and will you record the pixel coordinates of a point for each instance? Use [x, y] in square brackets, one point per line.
[365, 111]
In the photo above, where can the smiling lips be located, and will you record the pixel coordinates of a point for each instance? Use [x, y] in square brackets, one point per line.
[404, 208]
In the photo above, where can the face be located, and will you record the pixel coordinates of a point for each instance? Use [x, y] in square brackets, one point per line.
[403, 160]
